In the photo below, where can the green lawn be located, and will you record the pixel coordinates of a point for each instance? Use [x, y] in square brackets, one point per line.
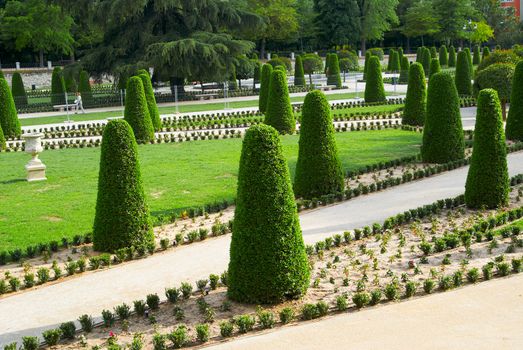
[176, 176]
[184, 108]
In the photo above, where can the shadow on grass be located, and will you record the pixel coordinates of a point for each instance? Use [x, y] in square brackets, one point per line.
[9, 182]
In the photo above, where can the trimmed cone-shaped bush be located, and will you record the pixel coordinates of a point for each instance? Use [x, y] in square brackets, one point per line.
[434, 67]
[404, 72]
[299, 74]
[2, 139]
[463, 77]
[452, 56]
[443, 139]
[486, 53]
[70, 84]
[122, 217]
[433, 52]
[279, 113]
[8, 116]
[57, 87]
[268, 263]
[18, 90]
[84, 87]
[137, 112]
[425, 61]
[318, 170]
[333, 73]
[514, 128]
[264, 87]
[391, 58]
[443, 56]
[416, 100]
[469, 59]
[368, 55]
[488, 180]
[257, 74]
[477, 55]
[395, 64]
[2, 74]
[400, 53]
[374, 90]
[154, 114]
[419, 54]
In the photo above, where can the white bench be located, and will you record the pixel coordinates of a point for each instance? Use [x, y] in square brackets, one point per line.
[62, 108]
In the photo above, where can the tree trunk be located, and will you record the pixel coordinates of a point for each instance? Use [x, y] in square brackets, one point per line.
[504, 110]
[41, 58]
[262, 49]
[310, 79]
[363, 47]
[177, 83]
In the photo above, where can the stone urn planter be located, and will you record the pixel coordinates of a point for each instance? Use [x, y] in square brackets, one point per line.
[35, 168]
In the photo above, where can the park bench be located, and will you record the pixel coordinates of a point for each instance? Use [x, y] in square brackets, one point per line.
[62, 108]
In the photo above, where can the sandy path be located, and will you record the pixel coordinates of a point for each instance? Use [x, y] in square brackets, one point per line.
[482, 317]
[31, 312]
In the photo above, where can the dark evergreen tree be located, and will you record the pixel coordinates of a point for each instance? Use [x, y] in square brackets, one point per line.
[318, 170]
[433, 52]
[122, 216]
[137, 112]
[18, 90]
[268, 263]
[279, 113]
[416, 100]
[368, 55]
[57, 87]
[463, 77]
[443, 56]
[84, 87]
[374, 89]
[488, 180]
[299, 75]
[154, 114]
[257, 74]
[8, 116]
[264, 87]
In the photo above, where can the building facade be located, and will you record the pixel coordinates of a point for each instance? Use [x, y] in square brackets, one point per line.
[516, 4]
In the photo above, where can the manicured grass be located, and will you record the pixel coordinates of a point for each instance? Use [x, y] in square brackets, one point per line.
[176, 176]
[183, 108]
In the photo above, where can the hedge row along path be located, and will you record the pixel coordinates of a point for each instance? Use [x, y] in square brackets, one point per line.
[480, 317]
[54, 304]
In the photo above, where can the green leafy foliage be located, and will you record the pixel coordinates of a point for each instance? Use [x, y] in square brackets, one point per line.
[151, 102]
[2, 139]
[404, 72]
[416, 99]
[443, 139]
[333, 71]
[57, 87]
[299, 75]
[279, 112]
[499, 77]
[122, 215]
[452, 56]
[488, 181]
[137, 111]
[425, 60]
[8, 116]
[514, 128]
[477, 55]
[18, 90]
[434, 67]
[374, 90]
[318, 169]
[463, 77]
[84, 87]
[265, 83]
[443, 55]
[268, 261]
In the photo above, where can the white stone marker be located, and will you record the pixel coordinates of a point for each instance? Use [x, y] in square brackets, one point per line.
[35, 168]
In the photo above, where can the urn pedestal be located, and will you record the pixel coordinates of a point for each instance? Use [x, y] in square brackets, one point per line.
[35, 168]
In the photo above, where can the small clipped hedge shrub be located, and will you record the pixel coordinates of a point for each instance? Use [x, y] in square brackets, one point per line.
[18, 90]
[137, 112]
[374, 90]
[151, 102]
[463, 76]
[443, 139]
[434, 67]
[404, 72]
[279, 112]
[57, 87]
[333, 72]
[8, 116]
[443, 56]
[425, 60]
[265, 83]
[122, 216]
[416, 100]
[452, 57]
[268, 262]
[299, 74]
[514, 128]
[318, 169]
[488, 181]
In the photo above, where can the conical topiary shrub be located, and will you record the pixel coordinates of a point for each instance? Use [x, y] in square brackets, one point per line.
[70, 84]
[391, 58]
[299, 74]
[151, 102]
[416, 100]
[268, 263]
[2, 139]
[368, 55]
[122, 216]
[374, 90]
[486, 53]
[84, 87]
[443, 56]
[425, 61]
[257, 74]
[264, 87]
[488, 180]
[477, 55]
[57, 87]
[8, 116]
[137, 112]
[434, 67]
[514, 128]
[443, 139]
[419, 54]
[469, 59]
[463, 77]
[400, 53]
[333, 73]
[395, 64]
[318, 170]
[452, 57]
[433, 52]
[279, 113]
[18, 90]
[404, 72]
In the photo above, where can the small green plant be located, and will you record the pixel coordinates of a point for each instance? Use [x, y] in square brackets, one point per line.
[30, 343]
[410, 289]
[202, 332]
[226, 329]
[445, 283]
[286, 315]
[172, 294]
[153, 301]
[503, 269]
[361, 299]
[178, 337]
[391, 291]
[245, 323]
[201, 285]
[342, 303]
[213, 281]
[516, 265]
[52, 336]
[137, 343]
[86, 322]
[139, 307]
[186, 289]
[108, 318]
[123, 311]
[266, 318]
[68, 330]
[487, 271]
[159, 341]
[428, 286]
[12, 346]
[473, 275]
